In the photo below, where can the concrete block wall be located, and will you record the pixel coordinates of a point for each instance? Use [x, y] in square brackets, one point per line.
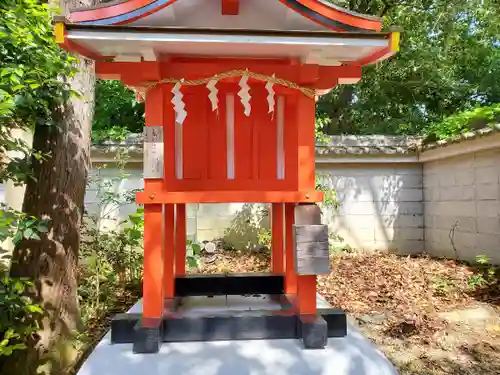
[381, 205]
[381, 208]
[462, 205]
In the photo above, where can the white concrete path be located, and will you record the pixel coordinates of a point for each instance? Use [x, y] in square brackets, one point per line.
[351, 355]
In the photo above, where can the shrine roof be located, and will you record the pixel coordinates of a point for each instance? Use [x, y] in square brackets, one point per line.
[312, 32]
[249, 14]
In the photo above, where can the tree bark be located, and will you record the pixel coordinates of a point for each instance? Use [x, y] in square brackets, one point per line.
[57, 194]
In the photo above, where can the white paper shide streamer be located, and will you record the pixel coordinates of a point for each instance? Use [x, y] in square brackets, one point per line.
[271, 101]
[244, 95]
[179, 106]
[211, 86]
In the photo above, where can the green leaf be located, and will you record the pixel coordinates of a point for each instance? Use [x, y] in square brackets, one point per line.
[34, 309]
[17, 238]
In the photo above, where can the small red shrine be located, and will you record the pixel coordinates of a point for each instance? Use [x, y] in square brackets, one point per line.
[230, 89]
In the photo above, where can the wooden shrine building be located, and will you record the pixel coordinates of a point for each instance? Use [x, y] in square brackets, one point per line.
[230, 88]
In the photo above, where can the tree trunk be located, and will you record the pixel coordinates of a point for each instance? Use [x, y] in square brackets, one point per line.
[58, 194]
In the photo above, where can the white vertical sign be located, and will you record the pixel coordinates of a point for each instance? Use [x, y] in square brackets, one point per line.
[153, 152]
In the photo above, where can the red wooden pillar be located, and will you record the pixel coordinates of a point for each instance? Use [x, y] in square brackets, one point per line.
[290, 274]
[277, 238]
[153, 229]
[153, 261]
[306, 284]
[168, 249]
[180, 239]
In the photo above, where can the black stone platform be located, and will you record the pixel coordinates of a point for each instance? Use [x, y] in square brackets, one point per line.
[234, 284]
[182, 323]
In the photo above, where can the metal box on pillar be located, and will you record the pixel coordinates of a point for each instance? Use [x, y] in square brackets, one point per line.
[230, 88]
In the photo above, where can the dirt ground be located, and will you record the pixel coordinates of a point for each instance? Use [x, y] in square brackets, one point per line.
[430, 317]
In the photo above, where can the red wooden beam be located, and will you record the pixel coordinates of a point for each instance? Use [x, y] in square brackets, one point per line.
[142, 73]
[165, 197]
[230, 7]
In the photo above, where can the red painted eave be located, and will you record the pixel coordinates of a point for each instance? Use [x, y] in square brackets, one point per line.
[319, 11]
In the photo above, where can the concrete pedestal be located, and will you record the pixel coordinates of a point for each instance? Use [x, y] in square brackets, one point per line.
[349, 355]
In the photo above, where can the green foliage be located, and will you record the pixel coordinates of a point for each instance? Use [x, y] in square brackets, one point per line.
[462, 122]
[18, 315]
[487, 273]
[448, 63]
[193, 252]
[111, 249]
[117, 112]
[31, 87]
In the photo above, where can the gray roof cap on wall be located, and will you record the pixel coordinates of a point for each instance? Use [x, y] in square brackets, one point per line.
[335, 145]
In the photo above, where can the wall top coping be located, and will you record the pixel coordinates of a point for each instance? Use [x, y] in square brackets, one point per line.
[328, 146]
[335, 146]
[469, 136]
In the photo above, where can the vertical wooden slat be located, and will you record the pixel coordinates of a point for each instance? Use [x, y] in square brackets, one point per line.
[195, 132]
[243, 144]
[153, 262]
[306, 284]
[267, 135]
[290, 275]
[217, 141]
[169, 249]
[168, 117]
[290, 141]
[277, 238]
[306, 142]
[153, 240]
[180, 239]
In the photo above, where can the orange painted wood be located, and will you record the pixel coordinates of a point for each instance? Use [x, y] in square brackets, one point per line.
[266, 131]
[343, 15]
[306, 284]
[306, 294]
[153, 262]
[230, 7]
[112, 10]
[306, 142]
[244, 144]
[290, 141]
[228, 196]
[195, 134]
[168, 137]
[217, 138]
[168, 250]
[154, 111]
[277, 238]
[290, 275]
[143, 73]
[136, 72]
[180, 239]
[211, 185]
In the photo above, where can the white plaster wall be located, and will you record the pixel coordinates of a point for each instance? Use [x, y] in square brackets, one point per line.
[236, 223]
[381, 208]
[463, 192]
[381, 205]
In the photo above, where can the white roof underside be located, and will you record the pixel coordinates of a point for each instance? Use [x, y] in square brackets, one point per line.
[328, 49]
[253, 14]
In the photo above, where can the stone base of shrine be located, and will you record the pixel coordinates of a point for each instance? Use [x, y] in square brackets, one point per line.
[211, 315]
